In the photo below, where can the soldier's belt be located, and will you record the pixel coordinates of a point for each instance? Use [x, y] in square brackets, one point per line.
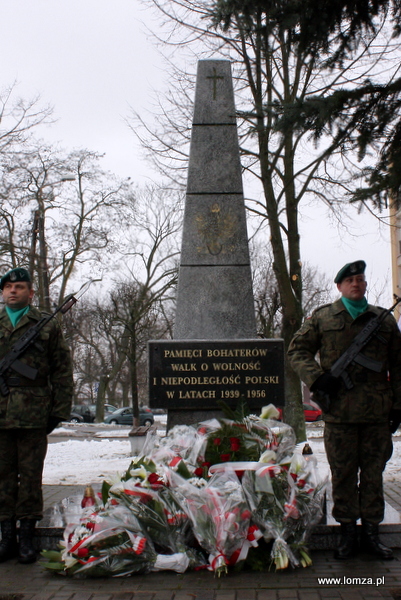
[22, 382]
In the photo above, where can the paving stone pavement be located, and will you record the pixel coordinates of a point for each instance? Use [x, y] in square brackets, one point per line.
[362, 577]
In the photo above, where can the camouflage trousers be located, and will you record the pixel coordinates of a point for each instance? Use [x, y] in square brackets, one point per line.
[357, 455]
[22, 455]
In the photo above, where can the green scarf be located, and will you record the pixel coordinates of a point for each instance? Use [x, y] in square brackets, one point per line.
[15, 314]
[355, 307]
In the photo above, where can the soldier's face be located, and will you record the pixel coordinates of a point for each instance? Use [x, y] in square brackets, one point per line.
[353, 288]
[17, 294]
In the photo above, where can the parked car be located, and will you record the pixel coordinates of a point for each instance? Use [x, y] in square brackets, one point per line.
[88, 412]
[125, 415]
[311, 412]
[76, 418]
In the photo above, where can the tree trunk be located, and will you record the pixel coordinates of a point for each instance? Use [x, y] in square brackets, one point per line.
[134, 376]
[100, 398]
[107, 376]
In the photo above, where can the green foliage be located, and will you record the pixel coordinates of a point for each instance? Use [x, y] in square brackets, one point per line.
[360, 117]
[231, 443]
[357, 119]
[238, 414]
[53, 561]
[105, 491]
[352, 21]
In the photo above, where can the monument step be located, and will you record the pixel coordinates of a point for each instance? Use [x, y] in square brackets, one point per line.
[324, 536]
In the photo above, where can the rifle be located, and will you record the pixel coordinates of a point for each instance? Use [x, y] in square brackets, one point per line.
[353, 355]
[11, 359]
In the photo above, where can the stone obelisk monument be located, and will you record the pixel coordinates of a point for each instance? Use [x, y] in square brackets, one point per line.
[215, 354]
[215, 299]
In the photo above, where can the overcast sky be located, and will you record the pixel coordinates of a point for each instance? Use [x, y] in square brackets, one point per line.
[93, 60]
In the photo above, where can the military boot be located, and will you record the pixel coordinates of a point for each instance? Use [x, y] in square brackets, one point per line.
[8, 544]
[371, 541]
[27, 552]
[348, 545]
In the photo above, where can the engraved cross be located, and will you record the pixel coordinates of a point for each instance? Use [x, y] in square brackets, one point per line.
[215, 77]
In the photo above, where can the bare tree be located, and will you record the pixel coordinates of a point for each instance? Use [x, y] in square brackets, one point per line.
[19, 121]
[19, 118]
[67, 210]
[150, 265]
[317, 290]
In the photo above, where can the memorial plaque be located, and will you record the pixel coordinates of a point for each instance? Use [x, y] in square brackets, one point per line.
[194, 374]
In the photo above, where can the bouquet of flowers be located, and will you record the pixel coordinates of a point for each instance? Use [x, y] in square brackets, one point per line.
[243, 437]
[181, 442]
[286, 502]
[110, 543]
[144, 492]
[184, 499]
[219, 515]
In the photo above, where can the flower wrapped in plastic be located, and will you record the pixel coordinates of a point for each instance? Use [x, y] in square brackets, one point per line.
[181, 441]
[271, 435]
[109, 542]
[241, 437]
[286, 503]
[143, 491]
[220, 517]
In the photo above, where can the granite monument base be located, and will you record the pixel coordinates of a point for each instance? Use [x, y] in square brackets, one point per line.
[325, 536]
[191, 417]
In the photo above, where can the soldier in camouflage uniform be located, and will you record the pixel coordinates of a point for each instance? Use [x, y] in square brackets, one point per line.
[359, 421]
[31, 410]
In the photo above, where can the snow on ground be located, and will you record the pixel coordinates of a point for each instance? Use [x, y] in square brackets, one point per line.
[80, 462]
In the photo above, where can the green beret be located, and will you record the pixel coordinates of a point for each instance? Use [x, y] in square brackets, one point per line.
[18, 274]
[350, 269]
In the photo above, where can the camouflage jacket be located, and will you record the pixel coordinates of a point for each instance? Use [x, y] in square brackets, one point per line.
[324, 337]
[30, 403]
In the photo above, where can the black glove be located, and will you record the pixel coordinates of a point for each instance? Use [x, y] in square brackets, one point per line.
[395, 419]
[327, 384]
[52, 424]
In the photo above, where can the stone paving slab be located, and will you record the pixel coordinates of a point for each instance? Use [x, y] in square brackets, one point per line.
[360, 577]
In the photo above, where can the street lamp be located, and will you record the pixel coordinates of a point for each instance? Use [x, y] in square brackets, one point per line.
[38, 234]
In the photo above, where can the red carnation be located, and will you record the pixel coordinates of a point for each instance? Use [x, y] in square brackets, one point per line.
[154, 479]
[82, 552]
[235, 444]
[225, 457]
[198, 472]
[217, 441]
